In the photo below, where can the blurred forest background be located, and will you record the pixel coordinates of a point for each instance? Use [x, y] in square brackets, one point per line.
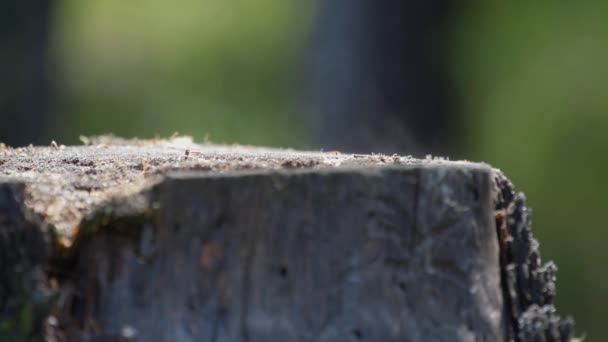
[520, 85]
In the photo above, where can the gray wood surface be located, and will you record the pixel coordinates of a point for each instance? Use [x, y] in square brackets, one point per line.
[400, 254]
[159, 241]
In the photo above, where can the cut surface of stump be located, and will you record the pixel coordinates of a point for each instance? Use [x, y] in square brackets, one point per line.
[166, 240]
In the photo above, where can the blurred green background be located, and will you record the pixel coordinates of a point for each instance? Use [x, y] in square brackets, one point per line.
[531, 77]
[534, 79]
[145, 68]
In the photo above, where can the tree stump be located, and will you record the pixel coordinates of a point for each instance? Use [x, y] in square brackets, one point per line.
[165, 240]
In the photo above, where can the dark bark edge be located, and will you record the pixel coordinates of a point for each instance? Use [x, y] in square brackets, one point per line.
[528, 284]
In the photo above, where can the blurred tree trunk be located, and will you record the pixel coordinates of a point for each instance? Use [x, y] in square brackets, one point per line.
[24, 70]
[380, 79]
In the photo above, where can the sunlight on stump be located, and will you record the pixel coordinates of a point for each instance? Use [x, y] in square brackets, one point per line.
[166, 240]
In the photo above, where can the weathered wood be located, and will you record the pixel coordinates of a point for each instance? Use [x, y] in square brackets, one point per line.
[24, 254]
[169, 241]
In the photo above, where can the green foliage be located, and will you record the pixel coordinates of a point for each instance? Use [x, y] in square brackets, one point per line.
[223, 68]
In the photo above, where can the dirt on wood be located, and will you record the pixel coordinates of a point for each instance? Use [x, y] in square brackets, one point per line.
[64, 183]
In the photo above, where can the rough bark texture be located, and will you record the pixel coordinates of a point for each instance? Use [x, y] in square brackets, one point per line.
[183, 242]
[528, 285]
